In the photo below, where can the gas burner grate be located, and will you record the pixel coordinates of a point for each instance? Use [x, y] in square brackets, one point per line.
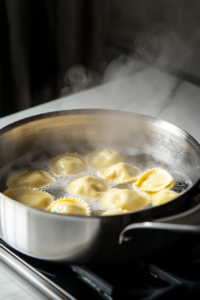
[161, 277]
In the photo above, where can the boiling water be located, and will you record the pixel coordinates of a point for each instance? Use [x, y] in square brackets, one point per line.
[40, 161]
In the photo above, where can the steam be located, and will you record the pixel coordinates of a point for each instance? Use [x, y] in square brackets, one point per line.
[160, 46]
[79, 78]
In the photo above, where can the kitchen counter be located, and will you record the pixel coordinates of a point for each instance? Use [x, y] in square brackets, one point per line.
[150, 92]
[10, 290]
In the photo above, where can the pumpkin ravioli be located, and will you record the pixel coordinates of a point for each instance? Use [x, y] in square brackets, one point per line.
[113, 212]
[31, 197]
[163, 196]
[67, 164]
[154, 180]
[88, 186]
[125, 199]
[70, 206]
[120, 173]
[33, 179]
[104, 158]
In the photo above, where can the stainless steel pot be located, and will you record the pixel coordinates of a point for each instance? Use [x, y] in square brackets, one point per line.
[79, 239]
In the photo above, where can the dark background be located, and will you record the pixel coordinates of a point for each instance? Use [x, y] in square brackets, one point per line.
[41, 40]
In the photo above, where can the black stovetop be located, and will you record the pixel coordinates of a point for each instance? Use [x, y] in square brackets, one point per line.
[175, 272]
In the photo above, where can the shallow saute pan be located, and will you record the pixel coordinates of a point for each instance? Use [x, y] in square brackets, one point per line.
[80, 239]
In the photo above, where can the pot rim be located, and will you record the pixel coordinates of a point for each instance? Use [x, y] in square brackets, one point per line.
[161, 122]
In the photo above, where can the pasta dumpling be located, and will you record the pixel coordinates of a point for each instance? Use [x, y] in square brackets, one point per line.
[125, 199]
[112, 212]
[120, 173]
[104, 158]
[88, 186]
[67, 164]
[154, 180]
[33, 179]
[70, 206]
[31, 197]
[163, 196]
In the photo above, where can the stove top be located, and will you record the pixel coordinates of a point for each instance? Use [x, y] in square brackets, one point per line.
[175, 272]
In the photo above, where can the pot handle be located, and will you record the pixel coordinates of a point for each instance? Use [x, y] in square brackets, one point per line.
[188, 221]
[125, 237]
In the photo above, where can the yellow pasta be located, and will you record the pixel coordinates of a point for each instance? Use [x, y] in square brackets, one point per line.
[88, 186]
[125, 199]
[163, 196]
[154, 180]
[33, 179]
[171, 185]
[120, 173]
[31, 197]
[70, 206]
[112, 212]
[68, 164]
[104, 158]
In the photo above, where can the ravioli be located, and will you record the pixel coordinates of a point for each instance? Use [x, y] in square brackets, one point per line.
[112, 212]
[163, 196]
[70, 206]
[68, 164]
[33, 179]
[88, 186]
[120, 173]
[172, 183]
[125, 199]
[154, 180]
[31, 197]
[104, 158]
